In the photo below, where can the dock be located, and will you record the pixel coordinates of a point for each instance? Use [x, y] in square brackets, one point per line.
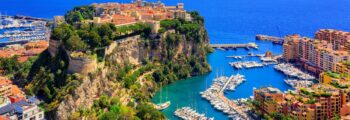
[277, 40]
[234, 106]
[234, 46]
[225, 85]
[215, 95]
[231, 103]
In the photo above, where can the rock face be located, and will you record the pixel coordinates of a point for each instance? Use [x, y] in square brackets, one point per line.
[84, 95]
[132, 50]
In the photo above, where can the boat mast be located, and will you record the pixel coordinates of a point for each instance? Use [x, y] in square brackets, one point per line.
[160, 97]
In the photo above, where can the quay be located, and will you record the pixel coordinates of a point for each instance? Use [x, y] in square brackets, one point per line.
[234, 46]
[231, 103]
[234, 106]
[276, 40]
[215, 95]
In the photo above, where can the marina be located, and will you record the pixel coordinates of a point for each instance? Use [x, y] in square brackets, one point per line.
[21, 29]
[247, 64]
[215, 95]
[290, 70]
[295, 83]
[262, 57]
[187, 113]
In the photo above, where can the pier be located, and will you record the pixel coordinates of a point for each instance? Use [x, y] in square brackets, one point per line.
[233, 46]
[225, 85]
[215, 95]
[231, 103]
[234, 106]
[273, 39]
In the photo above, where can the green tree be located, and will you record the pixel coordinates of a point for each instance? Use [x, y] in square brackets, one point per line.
[75, 43]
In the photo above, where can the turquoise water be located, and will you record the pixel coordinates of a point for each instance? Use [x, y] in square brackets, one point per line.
[227, 21]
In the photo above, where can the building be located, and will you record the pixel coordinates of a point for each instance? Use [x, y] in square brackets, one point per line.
[315, 55]
[11, 91]
[23, 110]
[138, 11]
[340, 39]
[320, 102]
[290, 48]
[342, 68]
[5, 87]
[268, 99]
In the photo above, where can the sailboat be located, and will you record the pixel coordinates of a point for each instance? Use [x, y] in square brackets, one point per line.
[162, 106]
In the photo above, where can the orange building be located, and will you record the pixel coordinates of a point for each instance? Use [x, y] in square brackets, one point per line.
[319, 102]
[138, 11]
[316, 55]
[268, 100]
[340, 39]
[290, 47]
[7, 89]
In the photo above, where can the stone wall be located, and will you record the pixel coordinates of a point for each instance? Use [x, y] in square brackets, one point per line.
[53, 47]
[82, 65]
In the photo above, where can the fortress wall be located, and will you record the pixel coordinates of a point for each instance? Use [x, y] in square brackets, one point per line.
[53, 47]
[82, 65]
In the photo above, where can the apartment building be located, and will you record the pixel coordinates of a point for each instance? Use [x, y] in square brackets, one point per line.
[316, 55]
[268, 99]
[340, 39]
[319, 102]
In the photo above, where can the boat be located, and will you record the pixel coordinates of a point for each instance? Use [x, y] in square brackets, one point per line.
[162, 106]
[186, 113]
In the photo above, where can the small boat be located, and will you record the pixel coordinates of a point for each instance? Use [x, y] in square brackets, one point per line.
[162, 106]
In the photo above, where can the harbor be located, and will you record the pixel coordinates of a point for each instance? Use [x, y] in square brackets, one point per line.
[247, 64]
[296, 83]
[185, 92]
[21, 29]
[187, 113]
[290, 70]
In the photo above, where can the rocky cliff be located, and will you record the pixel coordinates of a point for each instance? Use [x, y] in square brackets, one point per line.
[132, 50]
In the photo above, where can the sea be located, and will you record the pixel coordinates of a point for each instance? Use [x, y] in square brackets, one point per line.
[227, 21]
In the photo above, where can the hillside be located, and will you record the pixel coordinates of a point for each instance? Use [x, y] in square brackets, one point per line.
[107, 72]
